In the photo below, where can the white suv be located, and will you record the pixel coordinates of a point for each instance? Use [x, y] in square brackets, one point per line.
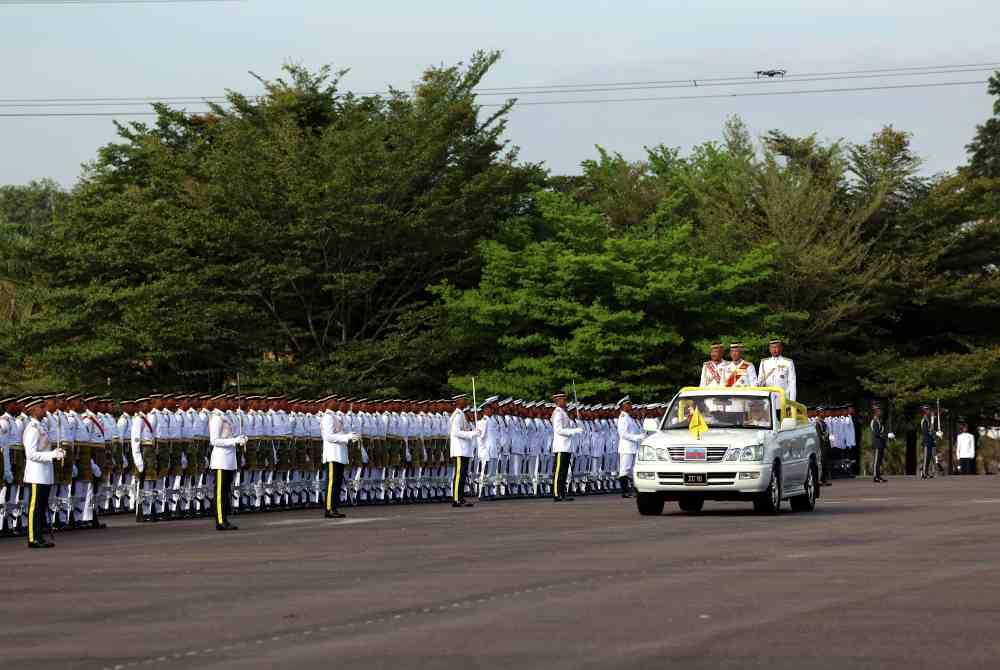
[745, 443]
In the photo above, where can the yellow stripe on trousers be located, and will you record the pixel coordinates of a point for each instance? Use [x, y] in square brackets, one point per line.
[329, 486]
[555, 478]
[458, 475]
[31, 513]
[218, 496]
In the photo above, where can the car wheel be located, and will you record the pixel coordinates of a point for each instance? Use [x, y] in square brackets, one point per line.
[649, 504]
[807, 501]
[769, 502]
[692, 504]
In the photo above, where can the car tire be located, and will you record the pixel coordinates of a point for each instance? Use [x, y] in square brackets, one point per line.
[649, 504]
[769, 502]
[692, 504]
[807, 501]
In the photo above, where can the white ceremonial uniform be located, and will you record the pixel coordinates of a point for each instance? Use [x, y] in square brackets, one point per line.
[222, 441]
[488, 448]
[712, 374]
[739, 374]
[461, 435]
[563, 432]
[779, 371]
[38, 454]
[630, 436]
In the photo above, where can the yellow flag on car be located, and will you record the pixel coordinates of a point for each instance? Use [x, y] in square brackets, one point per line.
[697, 425]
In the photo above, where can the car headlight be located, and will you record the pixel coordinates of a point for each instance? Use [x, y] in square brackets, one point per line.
[754, 452]
[662, 454]
[647, 453]
[733, 454]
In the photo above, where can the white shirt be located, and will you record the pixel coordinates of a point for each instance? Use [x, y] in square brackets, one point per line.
[712, 374]
[220, 436]
[740, 376]
[779, 371]
[143, 430]
[630, 434]
[39, 455]
[965, 445]
[562, 433]
[487, 442]
[335, 437]
[461, 435]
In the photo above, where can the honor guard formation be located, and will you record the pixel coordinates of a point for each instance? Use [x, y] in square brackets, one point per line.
[68, 459]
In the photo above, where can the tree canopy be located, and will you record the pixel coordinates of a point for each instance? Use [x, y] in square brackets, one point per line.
[318, 240]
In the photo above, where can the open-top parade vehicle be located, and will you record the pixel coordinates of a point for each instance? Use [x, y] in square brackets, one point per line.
[747, 443]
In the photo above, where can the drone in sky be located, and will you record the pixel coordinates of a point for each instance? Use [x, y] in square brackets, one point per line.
[770, 74]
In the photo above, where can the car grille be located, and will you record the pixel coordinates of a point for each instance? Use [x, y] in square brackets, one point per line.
[669, 475]
[715, 454]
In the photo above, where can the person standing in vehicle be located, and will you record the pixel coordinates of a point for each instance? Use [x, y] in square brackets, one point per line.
[778, 370]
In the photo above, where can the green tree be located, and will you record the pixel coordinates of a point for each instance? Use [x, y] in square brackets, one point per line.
[292, 236]
[563, 296]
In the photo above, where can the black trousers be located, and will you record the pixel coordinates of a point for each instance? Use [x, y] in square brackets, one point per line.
[560, 473]
[460, 477]
[38, 504]
[879, 460]
[928, 468]
[967, 466]
[223, 496]
[334, 480]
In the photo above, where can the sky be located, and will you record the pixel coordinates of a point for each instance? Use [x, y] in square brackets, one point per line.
[89, 48]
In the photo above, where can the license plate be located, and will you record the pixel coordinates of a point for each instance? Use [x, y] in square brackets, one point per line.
[695, 454]
[696, 478]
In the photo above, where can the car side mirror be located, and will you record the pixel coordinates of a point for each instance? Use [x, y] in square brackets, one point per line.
[789, 424]
[650, 425]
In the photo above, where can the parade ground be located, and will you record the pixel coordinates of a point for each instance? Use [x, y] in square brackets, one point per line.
[898, 575]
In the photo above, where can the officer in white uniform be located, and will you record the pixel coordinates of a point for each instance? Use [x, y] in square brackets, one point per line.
[712, 369]
[462, 437]
[488, 447]
[335, 454]
[630, 436]
[562, 447]
[38, 472]
[778, 370]
[223, 458]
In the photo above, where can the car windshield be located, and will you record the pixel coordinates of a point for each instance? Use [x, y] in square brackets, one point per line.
[720, 411]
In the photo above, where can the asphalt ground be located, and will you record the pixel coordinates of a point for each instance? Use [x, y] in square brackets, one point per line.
[898, 575]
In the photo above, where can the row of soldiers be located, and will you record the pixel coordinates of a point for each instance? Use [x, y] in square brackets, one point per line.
[153, 456]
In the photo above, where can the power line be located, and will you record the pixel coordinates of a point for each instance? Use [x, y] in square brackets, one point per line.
[787, 77]
[853, 89]
[690, 82]
[844, 89]
[28, 3]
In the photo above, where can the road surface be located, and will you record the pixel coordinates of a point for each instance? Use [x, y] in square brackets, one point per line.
[898, 575]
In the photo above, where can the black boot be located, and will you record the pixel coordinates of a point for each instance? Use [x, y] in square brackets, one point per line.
[626, 487]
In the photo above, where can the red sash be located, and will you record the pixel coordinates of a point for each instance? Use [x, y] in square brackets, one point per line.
[713, 370]
[97, 424]
[148, 425]
[733, 378]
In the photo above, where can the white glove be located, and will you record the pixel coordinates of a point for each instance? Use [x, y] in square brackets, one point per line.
[939, 434]
[95, 470]
[75, 473]
[184, 460]
[891, 436]
[243, 440]
[58, 453]
[9, 478]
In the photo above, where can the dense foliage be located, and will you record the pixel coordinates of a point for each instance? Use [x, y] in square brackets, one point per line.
[315, 240]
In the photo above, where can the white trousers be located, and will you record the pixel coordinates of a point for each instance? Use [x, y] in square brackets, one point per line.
[625, 464]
